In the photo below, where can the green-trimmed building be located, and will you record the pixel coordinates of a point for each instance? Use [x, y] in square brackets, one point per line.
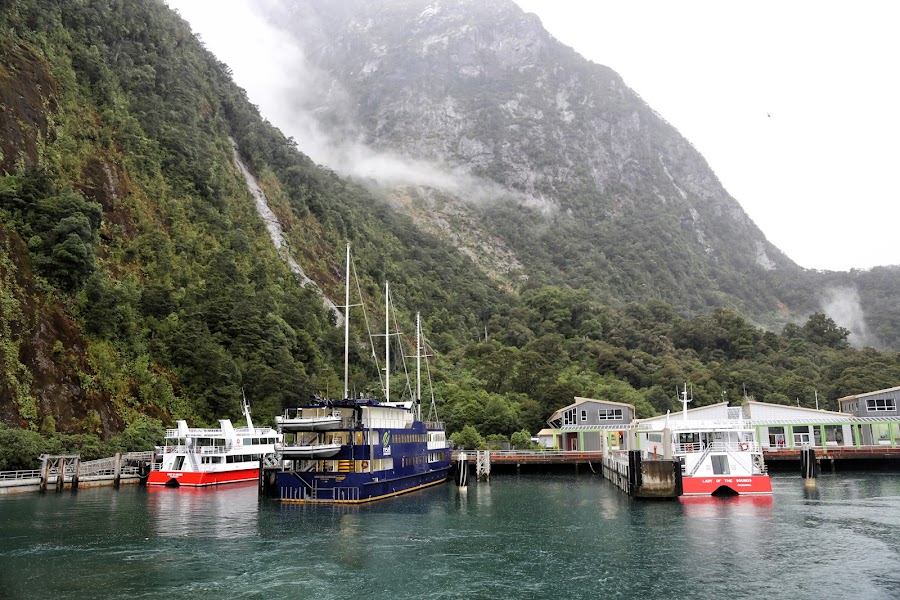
[581, 425]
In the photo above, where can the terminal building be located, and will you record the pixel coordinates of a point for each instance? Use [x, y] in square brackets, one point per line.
[865, 421]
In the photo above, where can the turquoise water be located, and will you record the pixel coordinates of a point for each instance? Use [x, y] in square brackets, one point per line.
[515, 537]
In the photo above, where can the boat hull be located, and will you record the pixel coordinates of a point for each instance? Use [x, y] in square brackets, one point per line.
[727, 484]
[201, 478]
[354, 488]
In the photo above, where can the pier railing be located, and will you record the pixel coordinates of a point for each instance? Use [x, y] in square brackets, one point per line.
[17, 475]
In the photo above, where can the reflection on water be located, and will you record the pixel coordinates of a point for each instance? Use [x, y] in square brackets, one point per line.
[525, 536]
[224, 511]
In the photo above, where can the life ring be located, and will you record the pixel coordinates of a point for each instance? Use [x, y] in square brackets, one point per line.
[745, 446]
[365, 465]
[688, 447]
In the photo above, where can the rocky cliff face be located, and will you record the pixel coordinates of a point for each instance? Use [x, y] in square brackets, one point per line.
[483, 88]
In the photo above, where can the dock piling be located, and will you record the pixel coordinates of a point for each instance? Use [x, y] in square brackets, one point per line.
[809, 467]
[462, 470]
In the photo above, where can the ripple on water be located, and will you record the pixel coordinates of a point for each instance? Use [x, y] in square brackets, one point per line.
[515, 537]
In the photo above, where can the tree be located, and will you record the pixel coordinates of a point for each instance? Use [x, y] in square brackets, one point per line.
[822, 330]
[468, 439]
[521, 440]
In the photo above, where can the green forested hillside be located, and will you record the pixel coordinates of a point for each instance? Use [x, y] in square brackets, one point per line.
[138, 285]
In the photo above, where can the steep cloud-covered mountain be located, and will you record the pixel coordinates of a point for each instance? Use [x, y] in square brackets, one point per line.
[600, 191]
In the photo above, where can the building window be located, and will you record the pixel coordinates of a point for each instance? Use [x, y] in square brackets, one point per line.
[583, 416]
[569, 417]
[880, 404]
[611, 414]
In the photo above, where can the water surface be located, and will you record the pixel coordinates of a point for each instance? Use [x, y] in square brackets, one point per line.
[531, 536]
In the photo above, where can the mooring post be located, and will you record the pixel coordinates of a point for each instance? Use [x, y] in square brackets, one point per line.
[45, 472]
[61, 474]
[75, 473]
[462, 470]
[809, 468]
[117, 473]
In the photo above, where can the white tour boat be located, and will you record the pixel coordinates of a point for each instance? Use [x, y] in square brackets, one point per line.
[717, 457]
[203, 457]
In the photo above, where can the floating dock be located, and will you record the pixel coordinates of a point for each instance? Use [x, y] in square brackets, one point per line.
[643, 478]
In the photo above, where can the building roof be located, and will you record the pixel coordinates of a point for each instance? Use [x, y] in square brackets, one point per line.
[673, 415]
[749, 404]
[854, 397]
[547, 431]
[578, 400]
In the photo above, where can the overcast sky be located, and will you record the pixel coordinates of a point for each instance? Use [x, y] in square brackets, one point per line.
[794, 104]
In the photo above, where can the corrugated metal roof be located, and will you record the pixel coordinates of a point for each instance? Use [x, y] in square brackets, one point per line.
[893, 389]
[578, 400]
[677, 424]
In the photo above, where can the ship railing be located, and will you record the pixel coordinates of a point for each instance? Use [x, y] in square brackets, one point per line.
[697, 447]
[195, 432]
[387, 423]
[434, 425]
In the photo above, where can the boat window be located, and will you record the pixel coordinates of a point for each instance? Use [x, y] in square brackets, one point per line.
[689, 438]
[179, 462]
[720, 464]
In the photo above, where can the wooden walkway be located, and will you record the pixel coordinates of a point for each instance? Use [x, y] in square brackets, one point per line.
[869, 453]
[68, 472]
[537, 457]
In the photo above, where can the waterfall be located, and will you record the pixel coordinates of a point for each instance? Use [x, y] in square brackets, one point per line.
[277, 234]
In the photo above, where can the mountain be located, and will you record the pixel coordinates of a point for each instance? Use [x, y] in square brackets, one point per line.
[165, 250]
[601, 192]
[138, 277]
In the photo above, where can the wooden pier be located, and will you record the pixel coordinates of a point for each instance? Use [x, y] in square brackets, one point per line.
[69, 472]
[837, 458]
[520, 460]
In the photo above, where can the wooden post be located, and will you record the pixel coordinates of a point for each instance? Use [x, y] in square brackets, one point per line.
[76, 473]
[61, 474]
[45, 472]
[117, 473]
[809, 468]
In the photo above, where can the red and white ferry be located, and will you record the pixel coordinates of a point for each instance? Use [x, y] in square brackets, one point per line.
[718, 457]
[203, 457]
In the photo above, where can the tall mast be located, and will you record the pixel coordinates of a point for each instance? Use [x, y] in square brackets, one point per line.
[387, 342]
[418, 357]
[347, 329]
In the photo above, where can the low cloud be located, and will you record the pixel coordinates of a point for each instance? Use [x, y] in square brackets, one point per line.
[842, 304]
[309, 105]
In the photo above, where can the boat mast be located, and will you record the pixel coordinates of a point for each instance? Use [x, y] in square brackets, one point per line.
[418, 357]
[347, 329]
[387, 342]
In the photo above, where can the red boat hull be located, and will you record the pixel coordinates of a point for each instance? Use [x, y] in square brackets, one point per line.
[200, 479]
[741, 485]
